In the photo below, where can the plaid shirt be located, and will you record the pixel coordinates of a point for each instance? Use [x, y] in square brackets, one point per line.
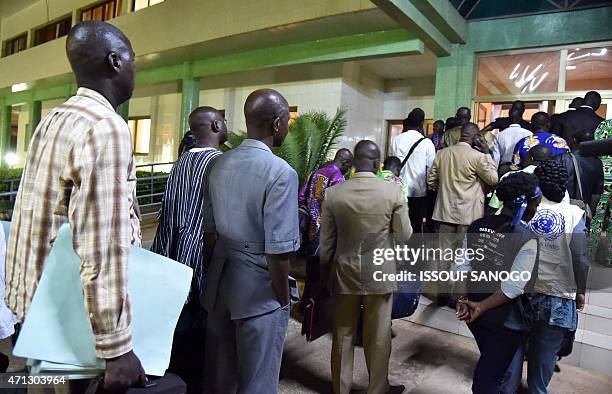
[79, 169]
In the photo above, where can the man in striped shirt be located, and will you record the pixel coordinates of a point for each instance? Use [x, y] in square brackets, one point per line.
[80, 169]
[180, 236]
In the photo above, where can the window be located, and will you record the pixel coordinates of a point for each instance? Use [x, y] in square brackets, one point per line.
[141, 134]
[293, 113]
[518, 74]
[140, 4]
[52, 31]
[102, 11]
[16, 44]
[588, 68]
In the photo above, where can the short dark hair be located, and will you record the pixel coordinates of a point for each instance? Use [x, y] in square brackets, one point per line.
[592, 99]
[576, 102]
[519, 105]
[540, 120]
[515, 185]
[540, 152]
[451, 123]
[553, 178]
[415, 119]
[392, 162]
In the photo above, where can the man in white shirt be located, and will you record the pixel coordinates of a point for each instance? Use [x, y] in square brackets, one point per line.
[421, 152]
[505, 141]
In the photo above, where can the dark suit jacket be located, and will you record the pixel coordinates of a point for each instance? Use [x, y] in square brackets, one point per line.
[572, 121]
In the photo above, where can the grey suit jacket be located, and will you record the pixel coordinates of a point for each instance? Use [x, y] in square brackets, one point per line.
[252, 195]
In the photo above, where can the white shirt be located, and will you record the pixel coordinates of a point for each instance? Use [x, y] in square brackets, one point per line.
[414, 172]
[506, 140]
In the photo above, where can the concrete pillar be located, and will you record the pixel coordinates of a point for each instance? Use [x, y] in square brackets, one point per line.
[35, 112]
[5, 132]
[454, 81]
[190, 98]
[124, 110]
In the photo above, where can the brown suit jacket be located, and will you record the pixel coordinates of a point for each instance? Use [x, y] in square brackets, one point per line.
[359, 216]
[459, 174]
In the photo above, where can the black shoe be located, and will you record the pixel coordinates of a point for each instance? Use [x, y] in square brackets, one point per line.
[399, 389]
[4, 363]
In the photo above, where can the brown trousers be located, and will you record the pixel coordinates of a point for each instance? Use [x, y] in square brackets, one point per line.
[376, 340]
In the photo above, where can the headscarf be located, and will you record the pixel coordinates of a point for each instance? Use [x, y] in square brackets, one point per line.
[520, 203]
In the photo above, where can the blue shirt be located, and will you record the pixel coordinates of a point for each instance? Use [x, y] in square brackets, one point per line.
[554, 142]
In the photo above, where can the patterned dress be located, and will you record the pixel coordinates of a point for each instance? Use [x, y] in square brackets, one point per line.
[603, 131]
[312, 192]
[391, 177]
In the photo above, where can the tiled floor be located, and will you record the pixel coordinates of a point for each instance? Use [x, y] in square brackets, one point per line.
[425, 360]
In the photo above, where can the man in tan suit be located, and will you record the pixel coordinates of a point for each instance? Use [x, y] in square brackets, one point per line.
[360, 216]
[460, 174]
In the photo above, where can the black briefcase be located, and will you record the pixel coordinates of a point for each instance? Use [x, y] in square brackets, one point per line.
[317, 317]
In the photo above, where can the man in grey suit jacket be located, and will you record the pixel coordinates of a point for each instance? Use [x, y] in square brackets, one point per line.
[252, 195]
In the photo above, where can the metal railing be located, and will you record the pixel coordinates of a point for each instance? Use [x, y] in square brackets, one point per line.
[150, 188]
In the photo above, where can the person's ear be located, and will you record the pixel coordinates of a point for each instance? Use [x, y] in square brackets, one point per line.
[276, 124]
[216, 126]
[114, 62]
[377, 165]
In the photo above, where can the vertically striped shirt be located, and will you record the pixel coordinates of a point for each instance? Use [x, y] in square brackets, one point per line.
[179, 234]
[79, 169]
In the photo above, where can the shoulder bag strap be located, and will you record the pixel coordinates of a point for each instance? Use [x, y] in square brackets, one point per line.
[577, 172]
[411, 151]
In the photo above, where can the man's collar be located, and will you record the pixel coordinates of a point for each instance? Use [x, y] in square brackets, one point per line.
[514, 125]
[92, 94]
[587, 106]
[363, 174]
[251, 143]
[571, 109]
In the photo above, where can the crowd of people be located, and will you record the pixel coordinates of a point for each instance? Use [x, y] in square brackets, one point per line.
[521, 188]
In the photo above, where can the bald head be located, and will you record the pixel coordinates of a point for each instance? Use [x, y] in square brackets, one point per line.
[343, 160]
[267, 116]
[463, 115]
[102, 59]
[367, 157]
[208, 127]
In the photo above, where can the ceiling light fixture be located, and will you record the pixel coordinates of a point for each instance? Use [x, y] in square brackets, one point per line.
[19, 87]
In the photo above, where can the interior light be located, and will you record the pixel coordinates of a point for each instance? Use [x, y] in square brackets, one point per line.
[11, 158]
[19, 87]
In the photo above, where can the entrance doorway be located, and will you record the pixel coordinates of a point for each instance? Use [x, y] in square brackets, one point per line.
[485, 112]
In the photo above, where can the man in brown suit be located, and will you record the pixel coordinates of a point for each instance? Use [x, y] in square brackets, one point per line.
[460, 174]
[359, 217]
